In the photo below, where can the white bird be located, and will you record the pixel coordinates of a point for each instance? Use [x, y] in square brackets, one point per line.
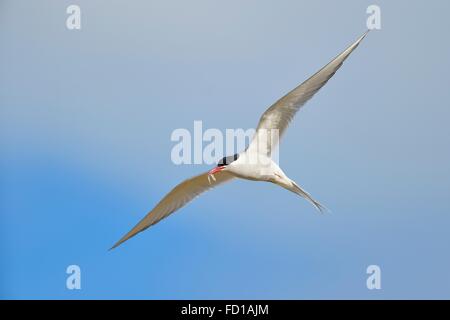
[255, 162]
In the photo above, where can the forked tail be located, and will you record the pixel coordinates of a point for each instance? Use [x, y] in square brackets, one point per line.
[296, 189]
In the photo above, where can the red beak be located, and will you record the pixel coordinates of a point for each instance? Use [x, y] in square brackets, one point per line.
[216, 169]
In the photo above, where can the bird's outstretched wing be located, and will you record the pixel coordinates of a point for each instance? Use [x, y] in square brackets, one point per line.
[177, 198]
[279, 115]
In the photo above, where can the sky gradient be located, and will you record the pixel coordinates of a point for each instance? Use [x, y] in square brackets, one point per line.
[85, 124]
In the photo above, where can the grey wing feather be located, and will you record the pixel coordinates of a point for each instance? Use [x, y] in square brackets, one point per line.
[280, 114]
[175, 199]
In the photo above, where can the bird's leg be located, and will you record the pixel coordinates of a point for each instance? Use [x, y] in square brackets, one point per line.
[211, 176]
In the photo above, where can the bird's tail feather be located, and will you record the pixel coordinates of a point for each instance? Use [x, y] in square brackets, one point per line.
[298, 190]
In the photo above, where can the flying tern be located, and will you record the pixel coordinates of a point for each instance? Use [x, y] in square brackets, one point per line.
[255, 162]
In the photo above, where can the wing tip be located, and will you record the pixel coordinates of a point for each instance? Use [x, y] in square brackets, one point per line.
[129, 235]
[358, 41]
[364, 35]
[118, 243]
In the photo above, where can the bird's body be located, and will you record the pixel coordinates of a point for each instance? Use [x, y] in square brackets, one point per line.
[267, 170]
[255, 163]
[263, 169]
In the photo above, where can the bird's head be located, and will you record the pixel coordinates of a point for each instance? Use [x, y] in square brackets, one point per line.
[224, 163]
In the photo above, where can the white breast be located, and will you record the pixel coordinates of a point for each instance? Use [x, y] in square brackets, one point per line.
[253, 167]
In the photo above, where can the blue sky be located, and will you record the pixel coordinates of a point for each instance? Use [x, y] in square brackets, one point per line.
[85, 124]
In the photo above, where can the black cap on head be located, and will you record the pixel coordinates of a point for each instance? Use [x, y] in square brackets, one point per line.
[227, 160]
